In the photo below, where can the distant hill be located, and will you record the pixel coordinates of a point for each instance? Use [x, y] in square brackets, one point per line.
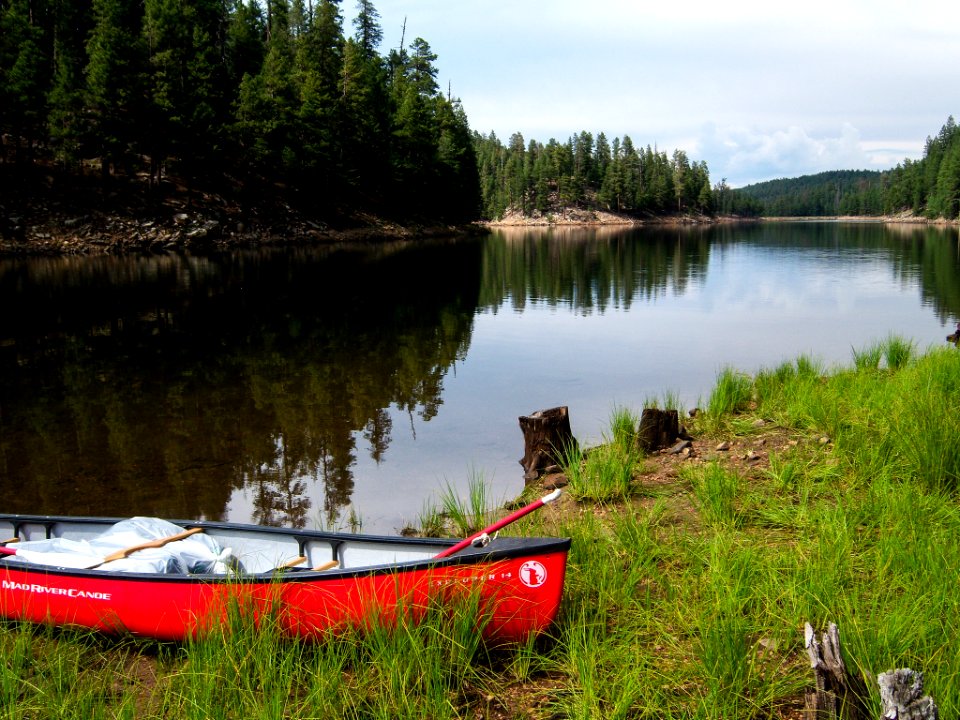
[838, 192]
[929, 187]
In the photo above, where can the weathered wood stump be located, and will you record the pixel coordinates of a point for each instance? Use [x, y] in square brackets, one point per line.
[838, 695]
[546, 437]
[954, 337]
[901, 691]
[658, 429]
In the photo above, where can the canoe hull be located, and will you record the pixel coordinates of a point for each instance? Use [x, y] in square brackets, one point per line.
[515, 583]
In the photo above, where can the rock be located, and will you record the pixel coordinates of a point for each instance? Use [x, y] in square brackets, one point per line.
[679, 447]
[555, 481]
[723, 447]
[824, 440]
[759, 423]
[181, 218]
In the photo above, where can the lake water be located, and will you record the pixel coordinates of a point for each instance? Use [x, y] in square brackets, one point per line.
[295, 386]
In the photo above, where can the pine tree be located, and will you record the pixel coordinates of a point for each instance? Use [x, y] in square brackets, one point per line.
[65, 122]
[369, 35]
[245, 43]
[421, 71]
[23, 73]
[320, 62]
[184, 45]
[114, 71]
[270, 102]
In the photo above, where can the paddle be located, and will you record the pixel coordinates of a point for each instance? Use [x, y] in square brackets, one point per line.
[125, 552]
[535, 505]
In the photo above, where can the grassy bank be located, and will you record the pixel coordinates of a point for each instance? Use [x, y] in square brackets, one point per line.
[832, 499]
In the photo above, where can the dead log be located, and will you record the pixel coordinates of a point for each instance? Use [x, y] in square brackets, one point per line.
[658, 429]
[838, 694]
[900, 692]
[546, 438]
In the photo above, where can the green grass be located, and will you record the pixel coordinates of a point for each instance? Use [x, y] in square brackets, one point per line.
[684, 599]
[467, 514]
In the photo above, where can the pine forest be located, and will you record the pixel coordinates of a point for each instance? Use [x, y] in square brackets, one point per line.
[211, 90]
[288, 97]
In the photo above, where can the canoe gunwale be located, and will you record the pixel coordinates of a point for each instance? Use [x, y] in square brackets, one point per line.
[502, 549]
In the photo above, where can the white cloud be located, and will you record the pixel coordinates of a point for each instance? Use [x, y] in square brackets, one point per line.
[746, 154]
[758, 90]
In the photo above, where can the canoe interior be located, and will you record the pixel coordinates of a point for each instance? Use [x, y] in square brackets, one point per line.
[264, 549]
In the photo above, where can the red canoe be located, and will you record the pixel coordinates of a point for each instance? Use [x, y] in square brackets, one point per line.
[517, 581]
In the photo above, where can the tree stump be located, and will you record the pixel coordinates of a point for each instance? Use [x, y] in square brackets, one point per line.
[838, 695]
[900, 692]
[954, 337]
[658, 429]
[546, 437]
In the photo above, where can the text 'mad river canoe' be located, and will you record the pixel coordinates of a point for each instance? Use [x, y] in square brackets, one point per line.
[314, 582]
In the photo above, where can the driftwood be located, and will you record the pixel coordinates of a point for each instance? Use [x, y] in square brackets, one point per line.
[838, 694]
[658, 429]
[900, 692]
[546, 437]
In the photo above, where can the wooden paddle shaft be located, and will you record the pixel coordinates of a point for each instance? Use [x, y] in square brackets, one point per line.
[159, 542]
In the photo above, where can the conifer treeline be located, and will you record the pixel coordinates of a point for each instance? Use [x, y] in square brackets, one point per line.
[592, 172]
[929, 187]
[837, 192]
[202, 87]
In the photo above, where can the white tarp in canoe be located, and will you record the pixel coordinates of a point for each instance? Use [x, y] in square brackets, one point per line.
[197, 553]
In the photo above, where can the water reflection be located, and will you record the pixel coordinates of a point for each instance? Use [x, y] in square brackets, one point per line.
[590, 269]
[168, 385]
[161, 385]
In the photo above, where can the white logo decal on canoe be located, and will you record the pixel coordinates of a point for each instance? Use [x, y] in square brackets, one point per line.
[46, 590]
[533, 574]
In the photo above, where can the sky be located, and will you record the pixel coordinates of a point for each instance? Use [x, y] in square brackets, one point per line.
[759, 90]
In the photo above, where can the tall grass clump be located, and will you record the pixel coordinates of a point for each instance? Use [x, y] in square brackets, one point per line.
[715, 491]
[924, 426]
[240, 666]
[731, 393]
[605, 473]
[421, 664]
[601, 474]
[469, 514]
[669, 400]
[623, 426]
[868, 358]
[47, 672]
[897, 352]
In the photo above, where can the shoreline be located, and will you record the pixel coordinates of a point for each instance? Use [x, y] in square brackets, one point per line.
[613, 219]
[207, 230]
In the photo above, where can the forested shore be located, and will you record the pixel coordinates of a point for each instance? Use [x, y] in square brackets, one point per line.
[260, 117]
[156, 126]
